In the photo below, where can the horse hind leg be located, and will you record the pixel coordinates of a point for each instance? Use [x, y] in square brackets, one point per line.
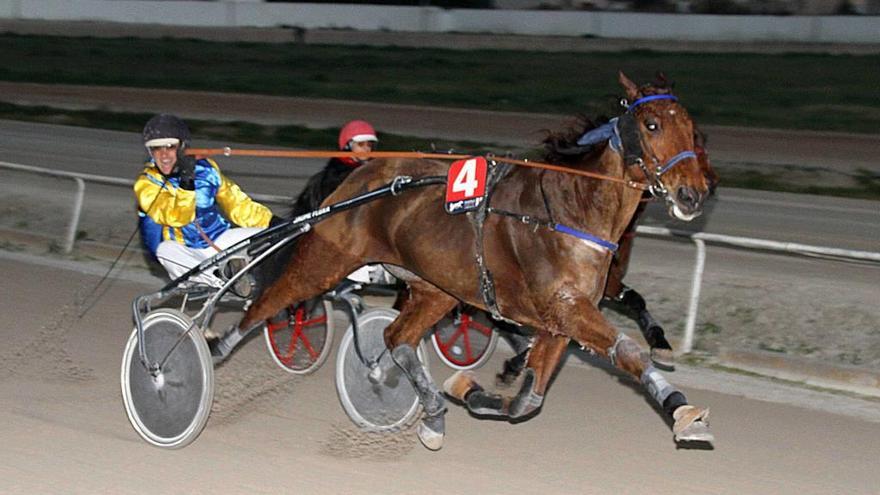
[543, 359]
[316, 267]
[513, 366]
[424, 307]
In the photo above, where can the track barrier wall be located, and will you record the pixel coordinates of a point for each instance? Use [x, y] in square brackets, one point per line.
[426, 19]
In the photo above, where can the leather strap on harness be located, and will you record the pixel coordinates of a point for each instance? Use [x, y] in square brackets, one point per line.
[630, 138]
[478, 218]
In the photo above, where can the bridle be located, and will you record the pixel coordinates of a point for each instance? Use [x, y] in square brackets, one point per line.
[654, 177]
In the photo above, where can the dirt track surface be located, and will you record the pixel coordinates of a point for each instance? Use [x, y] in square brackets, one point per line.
[64, 428]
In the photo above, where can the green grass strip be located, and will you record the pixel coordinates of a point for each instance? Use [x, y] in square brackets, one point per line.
[793, 91]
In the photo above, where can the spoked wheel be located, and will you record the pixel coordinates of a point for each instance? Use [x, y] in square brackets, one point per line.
[300, 342]
[168, 408]
[464, 339]
[385, 400]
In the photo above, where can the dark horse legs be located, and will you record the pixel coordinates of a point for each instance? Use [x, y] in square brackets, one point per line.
[299, 282]
[424, 307]
[589, 329]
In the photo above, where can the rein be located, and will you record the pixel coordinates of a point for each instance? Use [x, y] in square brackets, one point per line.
[207, 152]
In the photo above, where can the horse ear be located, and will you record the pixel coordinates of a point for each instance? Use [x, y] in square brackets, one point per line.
[660, 80]
[632, 91]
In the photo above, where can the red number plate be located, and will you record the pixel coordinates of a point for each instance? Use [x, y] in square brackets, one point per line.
[465, 185]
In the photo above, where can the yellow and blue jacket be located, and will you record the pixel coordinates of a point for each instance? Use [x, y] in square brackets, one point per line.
[167, 212]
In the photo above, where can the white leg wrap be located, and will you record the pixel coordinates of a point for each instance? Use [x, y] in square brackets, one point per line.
[657, 386]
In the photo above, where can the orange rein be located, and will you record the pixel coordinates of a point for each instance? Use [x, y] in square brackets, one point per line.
[205, 152]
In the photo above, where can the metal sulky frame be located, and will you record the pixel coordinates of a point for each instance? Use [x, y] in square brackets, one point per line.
[168, 387]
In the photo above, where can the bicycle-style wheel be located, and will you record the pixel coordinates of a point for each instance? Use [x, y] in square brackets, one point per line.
[299, 341]
[170, 407]
[464, 339]
[386, 402]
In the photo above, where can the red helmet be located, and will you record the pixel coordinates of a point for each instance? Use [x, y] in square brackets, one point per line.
[356, 130]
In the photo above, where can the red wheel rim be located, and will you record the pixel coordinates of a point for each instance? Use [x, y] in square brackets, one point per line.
[462, 332]
[298, 322]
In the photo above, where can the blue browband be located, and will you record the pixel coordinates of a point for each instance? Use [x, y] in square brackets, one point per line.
[611, 246]
[646, 99]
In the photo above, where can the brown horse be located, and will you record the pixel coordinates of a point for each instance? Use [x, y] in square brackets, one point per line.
[549, 276]
[569, 146]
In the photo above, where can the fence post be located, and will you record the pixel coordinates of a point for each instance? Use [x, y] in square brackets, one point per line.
[696, 285]
[74, 217]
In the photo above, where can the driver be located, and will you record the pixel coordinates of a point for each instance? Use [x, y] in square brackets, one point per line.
[188, 210]
[357, 136]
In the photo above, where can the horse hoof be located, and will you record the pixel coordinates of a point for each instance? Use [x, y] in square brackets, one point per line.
[663, 358]
[460, 384]
[431, 439]
[692, 425]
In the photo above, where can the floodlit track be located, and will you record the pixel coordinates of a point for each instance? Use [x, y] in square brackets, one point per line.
[65, 430]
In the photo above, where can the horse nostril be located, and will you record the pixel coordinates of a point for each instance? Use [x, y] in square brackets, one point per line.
[687, 196]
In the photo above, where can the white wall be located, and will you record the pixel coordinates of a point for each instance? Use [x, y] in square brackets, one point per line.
[824, 29]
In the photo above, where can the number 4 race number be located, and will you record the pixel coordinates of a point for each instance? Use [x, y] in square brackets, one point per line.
[465, 185]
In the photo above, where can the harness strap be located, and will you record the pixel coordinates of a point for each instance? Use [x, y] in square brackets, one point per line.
[477, 219]
[627, 130]
[544, 196]
[610, 246]
[558, 227]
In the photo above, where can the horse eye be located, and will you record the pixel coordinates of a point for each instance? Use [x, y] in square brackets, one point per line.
[651, 125]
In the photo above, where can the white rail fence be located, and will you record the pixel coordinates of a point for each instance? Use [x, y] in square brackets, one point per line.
[699, 238]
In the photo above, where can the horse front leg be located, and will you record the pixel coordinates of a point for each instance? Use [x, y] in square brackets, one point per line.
[632, 304]
[593, 331]
[543, 359]
[424, 307]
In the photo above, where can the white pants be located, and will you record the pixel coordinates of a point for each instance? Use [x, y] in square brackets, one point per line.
[371, 274]
[178, 259]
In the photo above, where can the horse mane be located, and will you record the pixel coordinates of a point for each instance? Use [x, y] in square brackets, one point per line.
[561, 146]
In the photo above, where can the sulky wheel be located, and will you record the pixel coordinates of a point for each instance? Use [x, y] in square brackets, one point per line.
[300, 340]
[169, 407]
[384, 400]
[464, 339]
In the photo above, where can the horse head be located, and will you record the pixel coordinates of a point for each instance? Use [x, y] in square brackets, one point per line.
[667, 160]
